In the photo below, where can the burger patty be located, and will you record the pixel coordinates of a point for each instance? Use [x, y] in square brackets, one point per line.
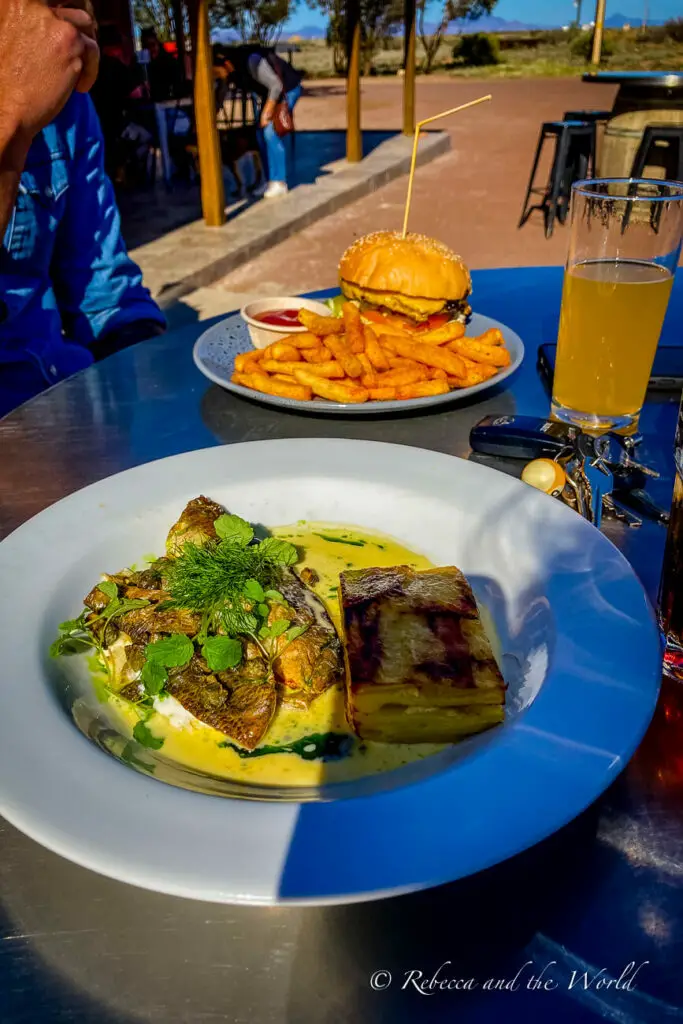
[415, 307]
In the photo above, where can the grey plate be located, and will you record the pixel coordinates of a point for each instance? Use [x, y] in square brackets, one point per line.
[215, 351]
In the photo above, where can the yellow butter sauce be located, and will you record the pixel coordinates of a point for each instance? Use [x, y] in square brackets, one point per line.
[329, 549]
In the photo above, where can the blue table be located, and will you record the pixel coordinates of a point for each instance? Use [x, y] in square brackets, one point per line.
[605, 892]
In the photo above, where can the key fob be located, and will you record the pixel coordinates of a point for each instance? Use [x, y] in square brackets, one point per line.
[521, 437]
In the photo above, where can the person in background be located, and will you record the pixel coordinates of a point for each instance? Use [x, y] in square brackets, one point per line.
[273, 81]
[163, 70]
[69, 294]
[117, 83]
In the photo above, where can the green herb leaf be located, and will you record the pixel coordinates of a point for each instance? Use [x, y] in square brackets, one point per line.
[71, 625]
[281, 552]
[222, 652]
[171, 651]
[234, 530]
[274, 595]
[146, 737]
[263, 610]
[109, 589]
[264, 631]
[68, 645]
[153, 677]
[126, 604]
[253, 590]
[279, 627]
[294, 631]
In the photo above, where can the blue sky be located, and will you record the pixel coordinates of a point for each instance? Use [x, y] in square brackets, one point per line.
[542, 12]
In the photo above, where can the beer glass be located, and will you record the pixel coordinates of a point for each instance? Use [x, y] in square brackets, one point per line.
[623, 251]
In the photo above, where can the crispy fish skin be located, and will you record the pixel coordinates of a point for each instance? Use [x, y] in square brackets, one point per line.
[310, 664]
[420, 668]
[241, 709]
[194, 526]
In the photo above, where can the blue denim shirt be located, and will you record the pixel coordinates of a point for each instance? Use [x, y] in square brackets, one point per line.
[65, 276]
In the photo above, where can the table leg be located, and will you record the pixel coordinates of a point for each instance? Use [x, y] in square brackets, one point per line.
[162, 133]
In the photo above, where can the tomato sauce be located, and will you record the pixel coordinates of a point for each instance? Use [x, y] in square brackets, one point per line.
[279, 317]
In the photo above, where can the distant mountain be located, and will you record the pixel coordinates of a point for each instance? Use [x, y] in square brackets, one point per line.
[619, 20]
[305, 32]
[491, 23]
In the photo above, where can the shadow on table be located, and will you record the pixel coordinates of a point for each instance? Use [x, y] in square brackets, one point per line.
[442, 428]
[152, 212]
[477, 928]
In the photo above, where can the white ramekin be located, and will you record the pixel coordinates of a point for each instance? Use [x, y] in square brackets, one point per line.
[262, 334]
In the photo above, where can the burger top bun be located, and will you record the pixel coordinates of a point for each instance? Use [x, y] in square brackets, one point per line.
[414, 266]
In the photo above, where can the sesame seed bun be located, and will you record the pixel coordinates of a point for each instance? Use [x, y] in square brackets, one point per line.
[416, 276]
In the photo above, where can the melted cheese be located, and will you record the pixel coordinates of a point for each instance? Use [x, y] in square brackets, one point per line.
[328, 549]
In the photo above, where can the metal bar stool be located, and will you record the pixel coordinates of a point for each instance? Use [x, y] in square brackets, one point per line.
[574, 158]
[667, 136]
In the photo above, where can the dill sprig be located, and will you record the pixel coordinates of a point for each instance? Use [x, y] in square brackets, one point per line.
[205, 578]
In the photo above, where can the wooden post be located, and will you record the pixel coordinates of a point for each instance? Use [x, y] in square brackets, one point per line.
[354, 141]
[409, 69]
[597, 31]
[210, 164]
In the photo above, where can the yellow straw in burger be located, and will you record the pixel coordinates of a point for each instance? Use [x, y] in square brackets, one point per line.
[416, 138]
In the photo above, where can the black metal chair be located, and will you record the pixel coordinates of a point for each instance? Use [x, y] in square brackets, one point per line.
[590, 116]
[574, 158]
[667, 138]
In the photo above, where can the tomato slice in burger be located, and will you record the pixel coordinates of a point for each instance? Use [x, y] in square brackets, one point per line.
[433, 322]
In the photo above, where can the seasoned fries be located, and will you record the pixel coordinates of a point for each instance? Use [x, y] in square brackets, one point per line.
[328, 389]
[331, 369]
[494, 355]
[442, 335]
[346, 360]
[262, 382]
[343, 354]
[374, 350]
[321, 325]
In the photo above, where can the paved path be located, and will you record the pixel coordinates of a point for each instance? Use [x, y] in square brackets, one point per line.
[470, 198]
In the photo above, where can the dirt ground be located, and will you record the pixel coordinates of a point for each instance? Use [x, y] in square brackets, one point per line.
[470, 198]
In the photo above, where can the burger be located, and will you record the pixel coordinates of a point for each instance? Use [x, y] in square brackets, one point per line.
[415, 280]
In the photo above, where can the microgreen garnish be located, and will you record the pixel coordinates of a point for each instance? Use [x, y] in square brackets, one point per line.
[222, 652]
[171, 651]
[146, 737]
[234, 530]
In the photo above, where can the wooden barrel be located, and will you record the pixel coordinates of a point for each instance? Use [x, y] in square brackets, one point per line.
[621, 140]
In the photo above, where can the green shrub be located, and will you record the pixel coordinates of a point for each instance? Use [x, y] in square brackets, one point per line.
[652, 34]
[582, 46]
[477, 49]
[674, 29]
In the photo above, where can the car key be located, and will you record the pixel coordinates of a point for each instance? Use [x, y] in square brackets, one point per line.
[617, 510]
[597, 473]
[638, 500]
[522, 437]
[613, 450]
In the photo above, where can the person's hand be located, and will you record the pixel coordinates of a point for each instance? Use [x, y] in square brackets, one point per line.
[80, 14]
[267, 113]
[44, 56]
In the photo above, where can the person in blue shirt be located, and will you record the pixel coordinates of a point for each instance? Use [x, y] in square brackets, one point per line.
[69, 293]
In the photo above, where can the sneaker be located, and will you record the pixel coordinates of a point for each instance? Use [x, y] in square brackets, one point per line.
[275, 189]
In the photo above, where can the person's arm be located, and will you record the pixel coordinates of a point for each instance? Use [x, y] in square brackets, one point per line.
[60, 44]
[261, 71]
[99, 289]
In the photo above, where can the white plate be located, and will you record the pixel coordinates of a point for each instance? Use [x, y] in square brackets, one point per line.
[580, 654]
[215, 350]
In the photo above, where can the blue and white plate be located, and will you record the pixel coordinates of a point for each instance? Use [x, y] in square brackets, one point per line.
[579, 651]
[215, 351]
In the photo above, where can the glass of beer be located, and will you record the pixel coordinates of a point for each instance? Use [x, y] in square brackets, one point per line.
[623, 252]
